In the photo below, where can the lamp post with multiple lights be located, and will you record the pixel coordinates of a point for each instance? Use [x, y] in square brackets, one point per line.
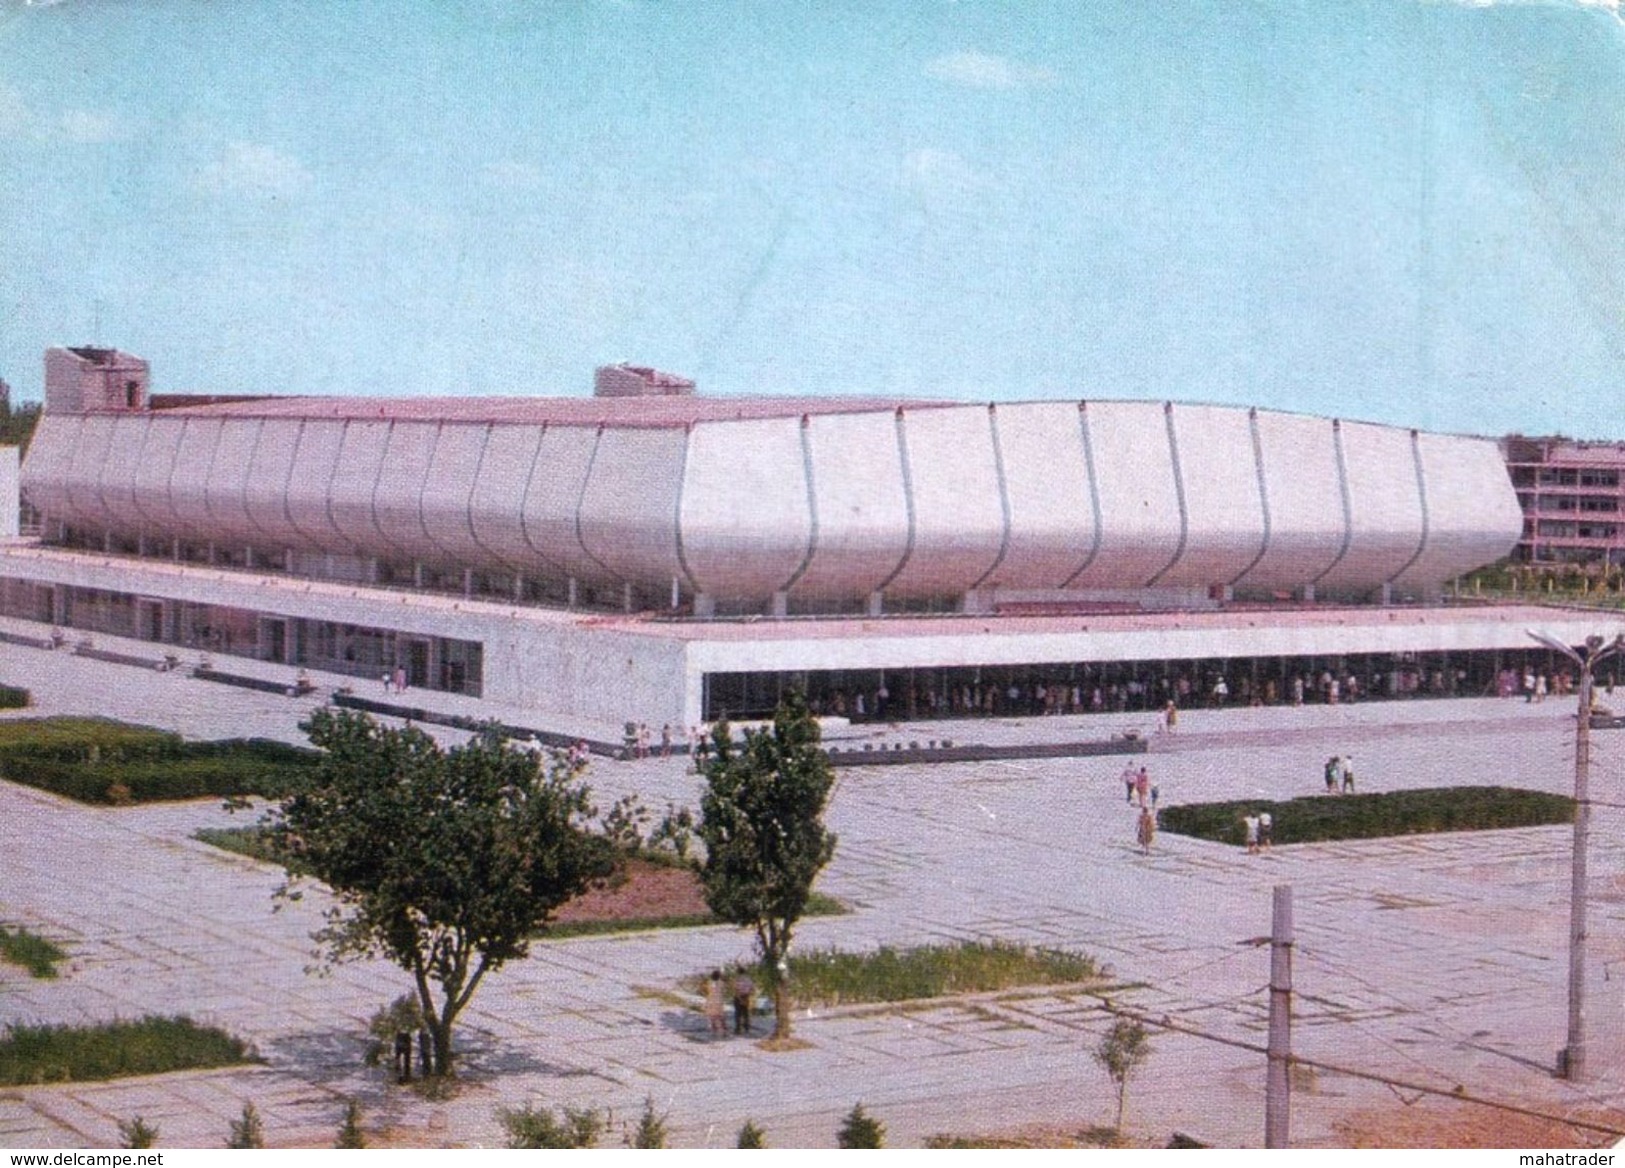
[1596, 649]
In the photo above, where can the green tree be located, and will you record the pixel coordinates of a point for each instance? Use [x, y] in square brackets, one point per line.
[247, 1132]
[351, 1134]
[535, 1127]
[137, 1133]
[1121, 1052]
[650, 1131]
[750, 1136]
[861, 1130]
[446, 862]
[761, 819]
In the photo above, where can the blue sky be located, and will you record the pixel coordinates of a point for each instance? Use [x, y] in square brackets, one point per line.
[1396, 211]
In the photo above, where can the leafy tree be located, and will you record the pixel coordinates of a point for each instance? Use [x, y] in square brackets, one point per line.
[535, 1127]
[861, 1130]
[137, 1133]
[651, 1129]
[761, 819]
[751, 1136]
[1121, 1052]
[445, 862]
[247, 1132]
[351, 1134]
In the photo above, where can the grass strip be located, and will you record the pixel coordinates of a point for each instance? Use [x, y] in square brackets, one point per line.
[1319, 818]
[834, 977]
[113, 1050]
[31, 951]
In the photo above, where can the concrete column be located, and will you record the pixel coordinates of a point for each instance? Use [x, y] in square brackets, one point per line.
[141, 544]
[175, 550]
[372, 570]
[107, 542]
[248, 557]
[781, 605]
[705, 605]
[287, 561]
[468, 582]
[519, 586]
[417, 575]
[1387, 592]
[626, 596]
[573, 595]
[1309, 592]
[876, 604]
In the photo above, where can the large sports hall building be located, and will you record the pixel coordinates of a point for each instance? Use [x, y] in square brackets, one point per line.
[653, 554]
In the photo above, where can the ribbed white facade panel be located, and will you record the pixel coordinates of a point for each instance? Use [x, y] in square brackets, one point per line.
[50, 455]
[1303, 490]
[309, 484]
[628, 516]
[118, 473]
[499, 494]
[746, 517]
[151, 491]
[862, 506]
[355, 478]
[1469, 513]
[398, 494]
[1052, 521]
[190, 479]
[446, 493]
[1224, 508]
[85, 472]
[553, 499]
[1385, 506]
[227, 479]
[265, 494]
[1139, 505]
[957, 499]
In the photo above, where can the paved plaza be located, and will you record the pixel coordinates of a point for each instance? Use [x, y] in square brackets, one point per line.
[1437, 959]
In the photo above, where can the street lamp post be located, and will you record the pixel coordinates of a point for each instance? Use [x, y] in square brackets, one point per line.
[1595, 650]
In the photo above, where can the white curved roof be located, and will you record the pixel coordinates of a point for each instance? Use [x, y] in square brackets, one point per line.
[827, 499]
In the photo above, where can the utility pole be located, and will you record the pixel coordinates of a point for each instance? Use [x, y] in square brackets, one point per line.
[1278, 1086]
[1571, 1063]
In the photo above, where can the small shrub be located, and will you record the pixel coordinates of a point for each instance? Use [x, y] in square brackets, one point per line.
[1121, 1052]
[350, 1133]
[751, 1136]
[14, 698]
[113, 1050]
[861, 1130]
[137, 1133]
[535, 1127]
[650, 1131]
[31, 951]
[247, 1132]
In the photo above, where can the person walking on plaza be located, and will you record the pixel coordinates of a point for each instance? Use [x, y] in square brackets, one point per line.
[1266, 830]
[1170, 716]
[1334, 767]
[744, 991]
[1250, 825]
[714, 1003]
[1130, 776]
[1142, 786]
[1348, 776]
[1145, 832]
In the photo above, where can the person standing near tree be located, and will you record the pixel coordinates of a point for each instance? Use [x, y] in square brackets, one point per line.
[714, 1003]
[744, 992]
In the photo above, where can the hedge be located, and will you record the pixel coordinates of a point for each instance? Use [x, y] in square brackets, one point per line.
[1315, 818]
[15, 698]
[96, 760]
[113, 1050]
